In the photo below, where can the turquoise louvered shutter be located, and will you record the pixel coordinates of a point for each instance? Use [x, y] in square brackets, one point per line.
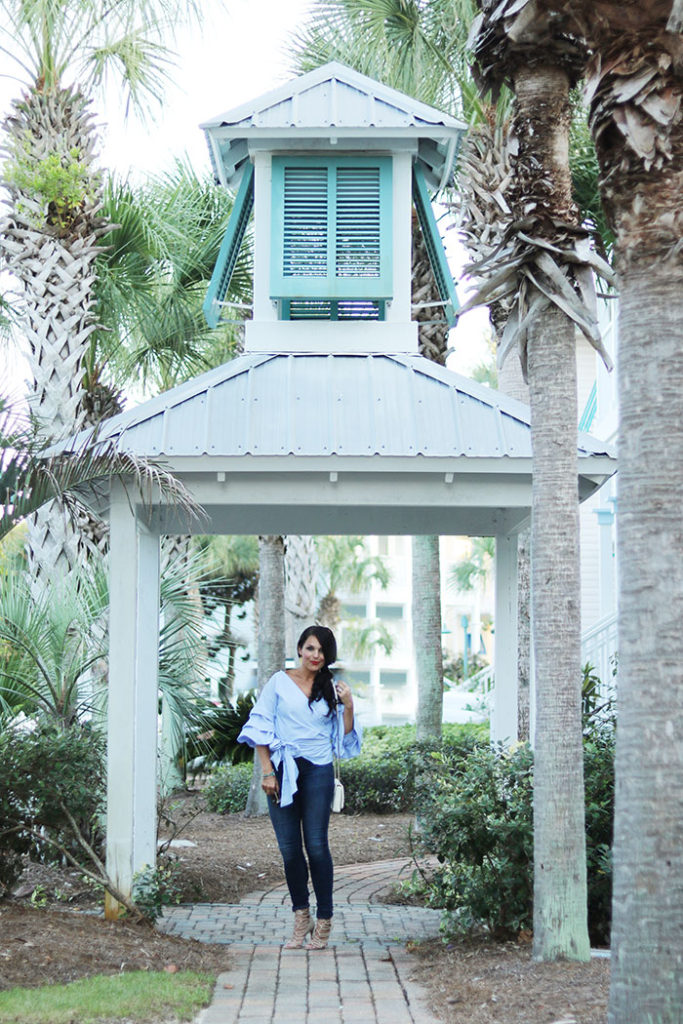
[434, 246]
[332, 222]
[230, 247]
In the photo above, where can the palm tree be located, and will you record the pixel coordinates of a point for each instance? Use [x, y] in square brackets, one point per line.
[29, 478]
[151, 282]
[271, 638]
[50, 238]
[229, 578]
[545, 269]
[345, 565]
[635, 85]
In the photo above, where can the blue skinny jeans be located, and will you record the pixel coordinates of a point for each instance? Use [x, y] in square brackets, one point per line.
[308, 813]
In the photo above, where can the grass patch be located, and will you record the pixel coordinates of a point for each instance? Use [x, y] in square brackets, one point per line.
[138, 996]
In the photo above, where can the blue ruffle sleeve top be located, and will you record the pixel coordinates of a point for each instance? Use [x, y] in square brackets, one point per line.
[283, 720]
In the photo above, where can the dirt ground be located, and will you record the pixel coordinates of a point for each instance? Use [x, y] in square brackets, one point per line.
[51, 929]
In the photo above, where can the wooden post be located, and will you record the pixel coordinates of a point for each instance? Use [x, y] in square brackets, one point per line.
[133, 696]
[504, 713]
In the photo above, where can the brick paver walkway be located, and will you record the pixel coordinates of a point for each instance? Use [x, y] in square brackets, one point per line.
[362, 978]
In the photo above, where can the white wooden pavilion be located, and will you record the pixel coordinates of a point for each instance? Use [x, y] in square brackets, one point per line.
[330, 422]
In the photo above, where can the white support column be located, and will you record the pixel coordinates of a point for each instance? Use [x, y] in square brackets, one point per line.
[504, 713]
[133, 696]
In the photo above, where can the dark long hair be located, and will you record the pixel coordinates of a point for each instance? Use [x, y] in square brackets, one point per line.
[323, 684]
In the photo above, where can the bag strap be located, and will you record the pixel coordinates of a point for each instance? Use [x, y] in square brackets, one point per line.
[337, 758]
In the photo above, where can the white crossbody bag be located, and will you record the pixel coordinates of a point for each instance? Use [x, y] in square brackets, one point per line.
[338, 791]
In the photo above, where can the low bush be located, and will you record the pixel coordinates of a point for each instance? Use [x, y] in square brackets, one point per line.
[476, 816]
[53, 787]
[214, 740]
[227, 790]
[382, 780]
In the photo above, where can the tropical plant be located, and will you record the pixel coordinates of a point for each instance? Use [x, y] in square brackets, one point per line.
[476, 568]
[546, 270]
[151, 282]
[345, 565]
[634, 87]
[30, 477]
[229, 581]
[271, 637]
[50, 643]
[63, 51]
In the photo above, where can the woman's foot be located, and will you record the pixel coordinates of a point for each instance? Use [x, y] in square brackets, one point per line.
[303, 926]
[321, 935]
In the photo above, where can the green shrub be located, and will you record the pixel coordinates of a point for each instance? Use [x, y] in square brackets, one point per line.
[52, 780]
[214, 740]
[155, 888]
[598, 768]
[227, 790]
[382, 779]
[476, 816]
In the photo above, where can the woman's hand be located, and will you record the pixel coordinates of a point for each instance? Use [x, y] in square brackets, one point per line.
[344, 694]
[270, 787]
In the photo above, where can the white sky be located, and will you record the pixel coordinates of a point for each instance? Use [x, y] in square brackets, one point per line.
[237, 54]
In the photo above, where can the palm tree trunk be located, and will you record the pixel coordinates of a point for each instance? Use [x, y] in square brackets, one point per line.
[647, 980]
[51, 248]
[560, 897]
[560, 888]
[427, 636]
[426, 570]
[511, 382]
[271, 638]
[301, 572]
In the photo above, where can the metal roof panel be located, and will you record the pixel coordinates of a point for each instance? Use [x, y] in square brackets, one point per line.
[330, 404]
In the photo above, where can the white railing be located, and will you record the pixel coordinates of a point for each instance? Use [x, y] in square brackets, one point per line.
[599, 646]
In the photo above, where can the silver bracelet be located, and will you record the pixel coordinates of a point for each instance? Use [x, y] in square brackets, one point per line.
[267, 775]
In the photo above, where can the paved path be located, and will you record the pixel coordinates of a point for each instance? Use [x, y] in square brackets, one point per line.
[362, 978]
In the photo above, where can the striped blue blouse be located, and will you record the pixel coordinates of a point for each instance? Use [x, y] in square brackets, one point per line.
[283, 720]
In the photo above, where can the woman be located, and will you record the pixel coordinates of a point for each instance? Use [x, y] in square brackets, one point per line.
[295, 726]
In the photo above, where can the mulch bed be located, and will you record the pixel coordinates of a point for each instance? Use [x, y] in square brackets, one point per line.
[67, 937]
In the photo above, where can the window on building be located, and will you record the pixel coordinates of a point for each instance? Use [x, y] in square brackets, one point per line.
[355, 611]
[332, 247]
[393, 678]
[357, 678]
[390, 611]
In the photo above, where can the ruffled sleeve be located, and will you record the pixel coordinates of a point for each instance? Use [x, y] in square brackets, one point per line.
[259, 729]
[351, 741]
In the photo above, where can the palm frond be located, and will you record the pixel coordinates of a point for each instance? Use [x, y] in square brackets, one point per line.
[29, 478]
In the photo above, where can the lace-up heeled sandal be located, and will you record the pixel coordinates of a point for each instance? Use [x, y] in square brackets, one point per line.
[303, 926]
[321, 935]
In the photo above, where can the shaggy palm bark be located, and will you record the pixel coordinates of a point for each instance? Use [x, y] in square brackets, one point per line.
[485, 175]
[635, 82]
[271, 638]
[51, 248]
[546, 267]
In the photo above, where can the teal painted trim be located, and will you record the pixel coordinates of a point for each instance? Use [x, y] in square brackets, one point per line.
[329, 285]
[435, 247]
[590, 409]
[230, 247]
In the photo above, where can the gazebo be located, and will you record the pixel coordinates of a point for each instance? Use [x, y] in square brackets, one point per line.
[330, 422]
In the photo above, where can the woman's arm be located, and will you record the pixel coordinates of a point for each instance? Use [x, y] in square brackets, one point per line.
[269, 783]
[346, 697]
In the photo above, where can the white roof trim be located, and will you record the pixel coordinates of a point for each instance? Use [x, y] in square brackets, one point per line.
[334, 71]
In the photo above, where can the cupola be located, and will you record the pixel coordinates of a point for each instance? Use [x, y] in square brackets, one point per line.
[332, 165]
